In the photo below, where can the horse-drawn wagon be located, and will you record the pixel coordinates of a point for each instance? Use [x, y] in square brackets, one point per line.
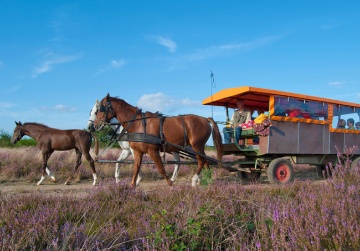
[312, 137]
[272, 146]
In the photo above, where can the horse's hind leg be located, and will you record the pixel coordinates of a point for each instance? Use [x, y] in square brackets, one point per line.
[77, 164]
[201, 163]
[92, 165]
[46, 155]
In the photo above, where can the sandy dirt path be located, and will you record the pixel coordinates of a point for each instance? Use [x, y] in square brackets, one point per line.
[84, 187]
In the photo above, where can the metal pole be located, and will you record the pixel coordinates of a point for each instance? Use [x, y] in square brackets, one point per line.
[213, 85]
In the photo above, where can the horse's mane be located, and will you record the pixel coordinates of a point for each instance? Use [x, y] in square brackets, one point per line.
[123, 103]
[35, 124]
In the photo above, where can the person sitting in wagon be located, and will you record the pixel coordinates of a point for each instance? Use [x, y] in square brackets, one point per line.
[240, 117]
[301, 112]
[350, 124]
[357, 125]
[341, 124]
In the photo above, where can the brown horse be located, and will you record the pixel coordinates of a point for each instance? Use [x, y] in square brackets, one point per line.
[51, 139]
[154, 133]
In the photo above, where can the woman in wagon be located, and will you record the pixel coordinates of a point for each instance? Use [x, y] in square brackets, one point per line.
[240, 117]
[350, 124]
[357, 125]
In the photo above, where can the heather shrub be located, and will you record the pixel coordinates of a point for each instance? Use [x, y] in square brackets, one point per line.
[298, 216]
[302, 215]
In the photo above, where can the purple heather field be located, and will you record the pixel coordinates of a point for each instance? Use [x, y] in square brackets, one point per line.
[218, 215]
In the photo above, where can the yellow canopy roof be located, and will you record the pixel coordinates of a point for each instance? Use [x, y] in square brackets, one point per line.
[259, 97]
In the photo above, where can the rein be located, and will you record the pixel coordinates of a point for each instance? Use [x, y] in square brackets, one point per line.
[136, 136]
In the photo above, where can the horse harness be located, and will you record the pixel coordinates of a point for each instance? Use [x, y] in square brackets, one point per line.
[149, 138]
[143, 136]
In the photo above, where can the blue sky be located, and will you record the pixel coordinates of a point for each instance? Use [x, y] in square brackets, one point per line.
[58, 57]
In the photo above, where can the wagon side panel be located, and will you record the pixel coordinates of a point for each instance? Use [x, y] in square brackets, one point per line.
[311, 138]
[283, 138]
[298, 138]
[337, 140]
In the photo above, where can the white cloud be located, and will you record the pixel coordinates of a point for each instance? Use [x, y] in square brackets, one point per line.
[59, 108]
[12, 89]
[117, 63]
[229, 49]
[114, 64]
[164, 104]
[219, 51]
[166, 42]
[51, 60]
[338, 84]
[64, 108]
[6, 105]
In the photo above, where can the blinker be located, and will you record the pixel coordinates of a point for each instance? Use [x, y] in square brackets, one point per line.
[102, 108]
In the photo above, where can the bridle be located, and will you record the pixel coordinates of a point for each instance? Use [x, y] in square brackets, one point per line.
[108, 108]
[20, 135]
[97, 109]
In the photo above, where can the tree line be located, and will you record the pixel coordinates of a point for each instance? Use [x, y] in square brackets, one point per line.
[105, 137]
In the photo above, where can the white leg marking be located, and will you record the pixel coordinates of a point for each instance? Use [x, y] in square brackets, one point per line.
[95, 178]
[138, 179]
[195, 180]
[41, 180]
[117, 173]
[50, 174]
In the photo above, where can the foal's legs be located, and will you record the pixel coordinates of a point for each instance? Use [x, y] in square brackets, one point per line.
[46, 155]
[92, 165]
[77, 164]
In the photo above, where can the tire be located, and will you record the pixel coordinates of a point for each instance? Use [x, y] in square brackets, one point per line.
[280, 171]
[355, 164]
[322, 172]
[248, 177]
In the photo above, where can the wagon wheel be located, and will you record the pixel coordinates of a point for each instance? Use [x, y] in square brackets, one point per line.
[280, 171]
[323, 171]
[355, 165]
[248, 177]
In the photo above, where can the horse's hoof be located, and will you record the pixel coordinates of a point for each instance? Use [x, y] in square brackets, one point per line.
[170, 182]
[67, 183]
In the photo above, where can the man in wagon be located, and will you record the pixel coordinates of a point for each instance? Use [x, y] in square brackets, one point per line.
[350, 124]
[240, 117]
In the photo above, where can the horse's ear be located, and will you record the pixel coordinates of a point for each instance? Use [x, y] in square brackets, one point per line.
[18, 123]
[108, 96]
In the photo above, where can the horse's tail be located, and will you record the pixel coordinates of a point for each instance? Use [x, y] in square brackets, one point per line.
[217, 141]
[96, 145]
